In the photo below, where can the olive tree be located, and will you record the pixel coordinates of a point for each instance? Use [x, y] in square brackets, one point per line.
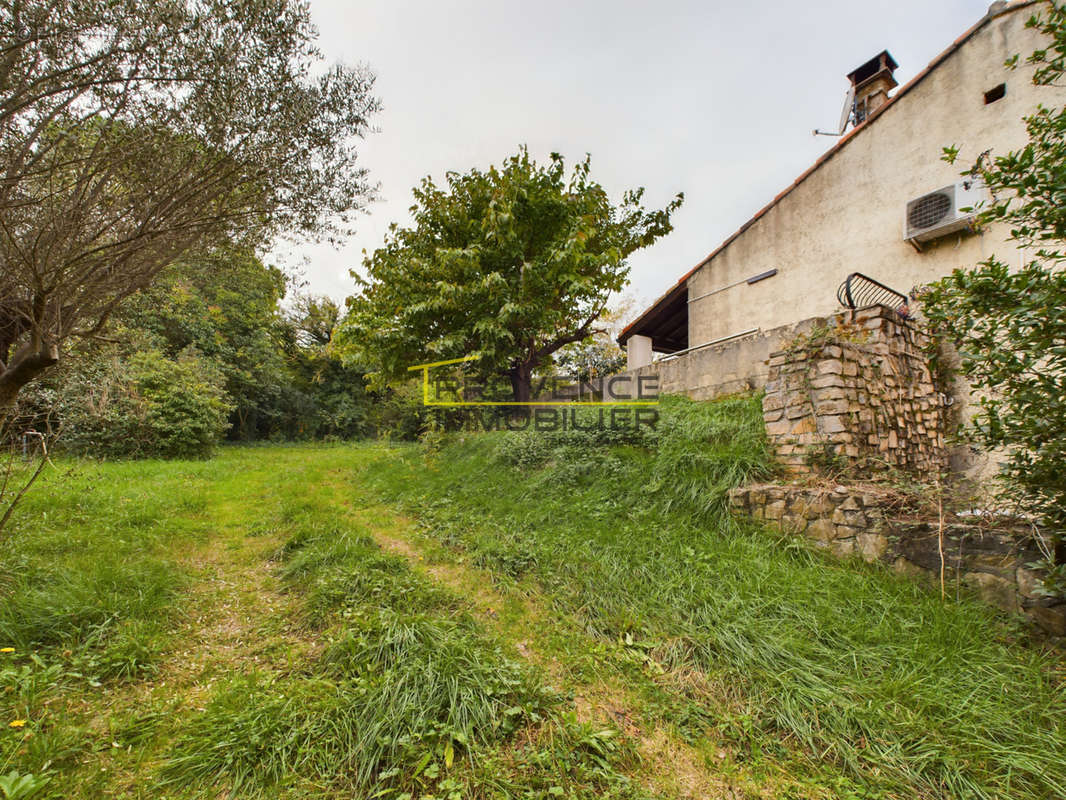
[133, 132]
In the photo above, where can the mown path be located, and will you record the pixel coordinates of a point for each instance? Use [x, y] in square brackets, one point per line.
[234, 616]
[180, 630]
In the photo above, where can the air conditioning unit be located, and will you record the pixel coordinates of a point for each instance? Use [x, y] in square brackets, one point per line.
[939, 213]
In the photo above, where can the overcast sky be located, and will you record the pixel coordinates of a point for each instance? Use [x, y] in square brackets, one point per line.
[713, 99]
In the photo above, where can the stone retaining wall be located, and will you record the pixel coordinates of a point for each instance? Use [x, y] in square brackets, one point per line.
[868, 523]
[858, 394]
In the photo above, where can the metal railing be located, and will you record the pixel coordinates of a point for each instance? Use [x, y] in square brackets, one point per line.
[858, 291]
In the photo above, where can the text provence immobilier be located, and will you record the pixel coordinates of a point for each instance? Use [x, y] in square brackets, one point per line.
[561, 402]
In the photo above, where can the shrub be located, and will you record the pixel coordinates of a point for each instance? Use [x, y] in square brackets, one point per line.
[1008, 324]
[146, 406]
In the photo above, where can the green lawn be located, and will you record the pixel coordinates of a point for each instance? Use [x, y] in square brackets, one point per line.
[501, 617]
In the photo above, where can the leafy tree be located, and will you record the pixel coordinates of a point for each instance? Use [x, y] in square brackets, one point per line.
[509, 264]
[135, 132]
[1010, 326]
[598, 355]
[329, 398]
[146, 405]
[223, 304]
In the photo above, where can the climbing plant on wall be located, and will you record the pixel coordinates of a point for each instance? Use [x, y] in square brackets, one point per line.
[1009, 325]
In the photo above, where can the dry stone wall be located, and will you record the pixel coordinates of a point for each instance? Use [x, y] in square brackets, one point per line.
[856, 393]
[867, 523]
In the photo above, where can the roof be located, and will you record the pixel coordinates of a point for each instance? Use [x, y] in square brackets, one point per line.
[996, 10]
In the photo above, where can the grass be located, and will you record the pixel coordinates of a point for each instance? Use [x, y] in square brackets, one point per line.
[572, 615]
[289, 656]
[405, 680]
[845, 661]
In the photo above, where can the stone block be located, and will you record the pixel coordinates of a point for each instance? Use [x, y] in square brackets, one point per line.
[993, 589]
[997, 563]
[833, 424]
[1029, 583]
[1052, 619]
[775, 510]
[843, 547]
[828, 393]
[840, 406]
[779, 428]
[871, 546]
[829, 366]
[824, 381]
[772, 402]
[821, 530]
[905, 567]
[851, 503]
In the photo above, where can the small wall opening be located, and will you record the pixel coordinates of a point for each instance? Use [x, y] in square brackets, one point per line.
[995, 93]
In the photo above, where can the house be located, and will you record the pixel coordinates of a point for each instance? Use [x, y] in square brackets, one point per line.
[881, 202]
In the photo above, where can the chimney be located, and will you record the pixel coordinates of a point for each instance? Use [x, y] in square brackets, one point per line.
[872, 82]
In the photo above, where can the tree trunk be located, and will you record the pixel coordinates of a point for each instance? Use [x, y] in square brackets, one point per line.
[521, 382]
[24, 368]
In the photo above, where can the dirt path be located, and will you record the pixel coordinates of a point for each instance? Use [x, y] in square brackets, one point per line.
[671, 766]
[237, 620]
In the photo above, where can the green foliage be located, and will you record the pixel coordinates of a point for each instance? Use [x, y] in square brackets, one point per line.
[85, 573]
[698, 451]
[847, 662]
[509, 264]
[147, 405]
[135, 134]
[324, 397]
[593, 358]
[1010, 326]
[20, 787]
[278, 368]
[224, 305]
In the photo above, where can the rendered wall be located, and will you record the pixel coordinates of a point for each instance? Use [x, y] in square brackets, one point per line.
[737, 365]
[847, 215]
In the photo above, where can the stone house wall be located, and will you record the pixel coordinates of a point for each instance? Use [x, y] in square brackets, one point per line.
[858, 391]
[865, 522]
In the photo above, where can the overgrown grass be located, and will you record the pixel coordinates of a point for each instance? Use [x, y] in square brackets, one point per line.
[407, 695]
[89, 595]
[845, 660]
[86, 570]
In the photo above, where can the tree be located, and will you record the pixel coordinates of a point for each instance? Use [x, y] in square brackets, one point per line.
[599, 355]
[332, 397]
[508, 264]
[225, 305]
[135, 132]
[1010, 327]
